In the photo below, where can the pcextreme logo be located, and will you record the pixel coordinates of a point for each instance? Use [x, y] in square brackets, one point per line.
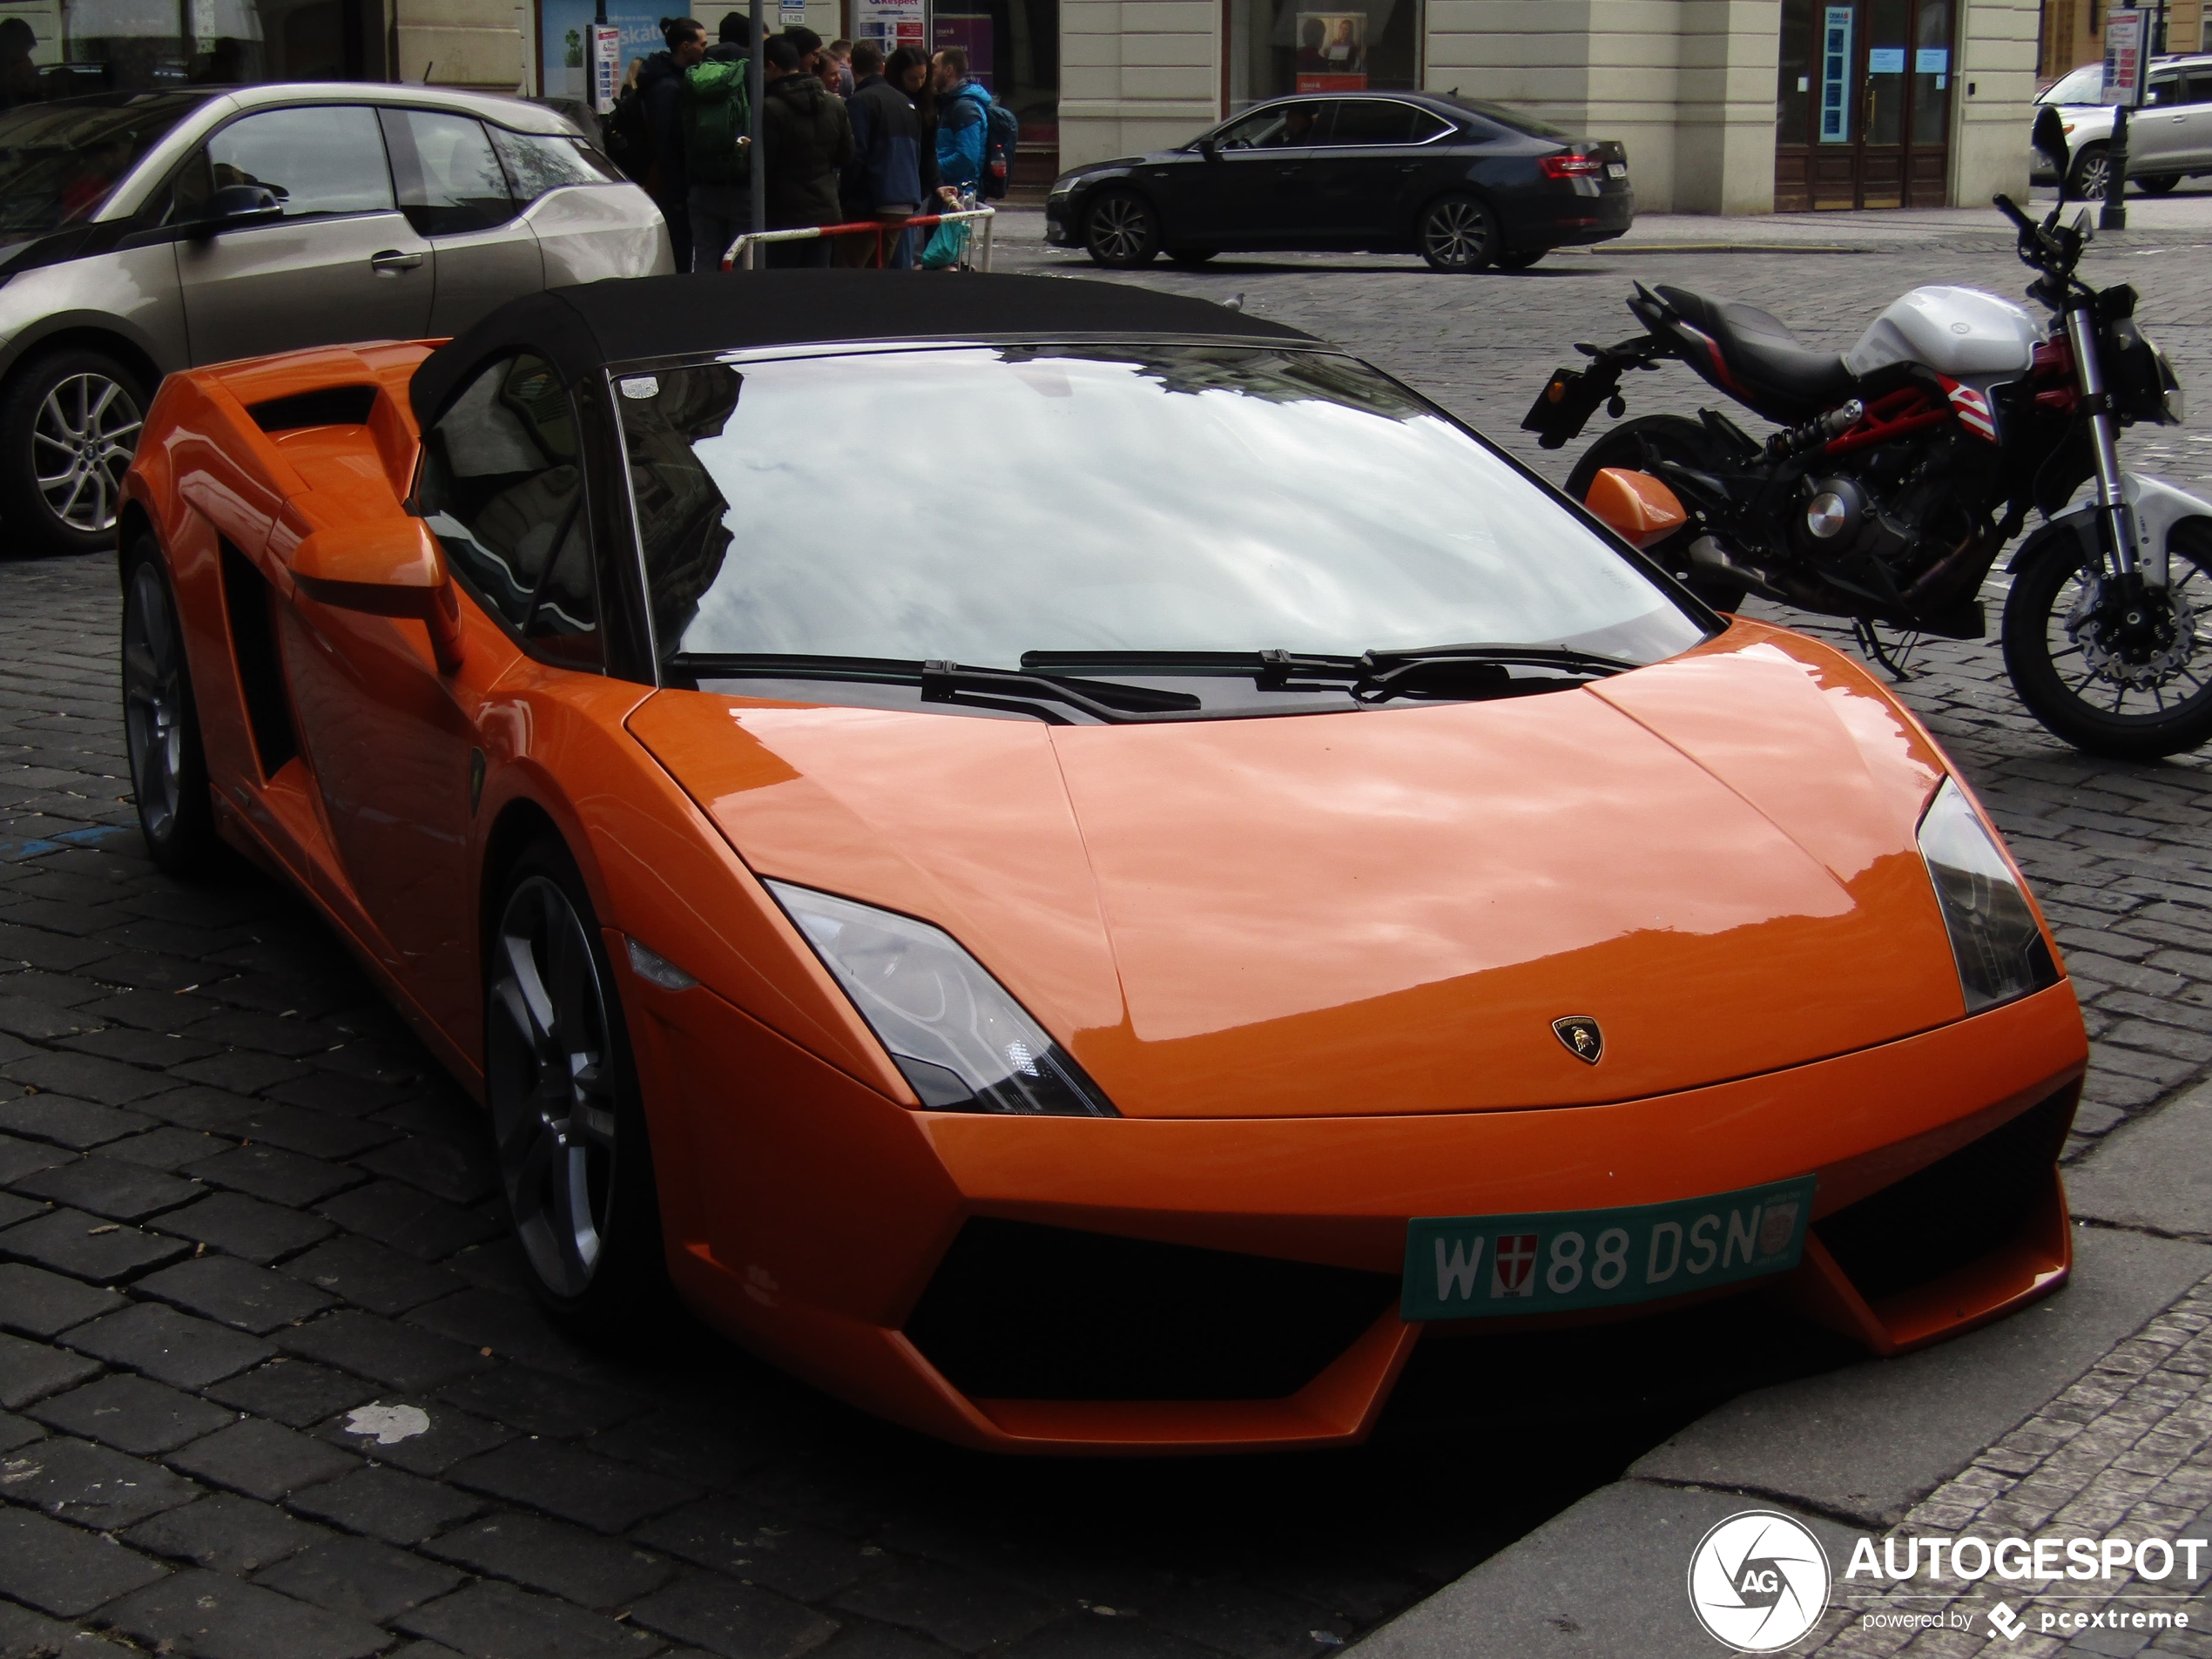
[1758, 1582]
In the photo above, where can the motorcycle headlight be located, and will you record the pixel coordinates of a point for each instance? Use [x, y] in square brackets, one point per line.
[1999, 946]
[953, 1032]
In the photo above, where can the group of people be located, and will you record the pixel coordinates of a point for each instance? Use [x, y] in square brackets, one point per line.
[846, 136]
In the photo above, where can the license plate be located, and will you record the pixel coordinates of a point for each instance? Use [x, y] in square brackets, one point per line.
[1616, 170]
[1480, 1267]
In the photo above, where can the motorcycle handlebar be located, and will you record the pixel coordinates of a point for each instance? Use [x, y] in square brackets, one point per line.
[2011, 210]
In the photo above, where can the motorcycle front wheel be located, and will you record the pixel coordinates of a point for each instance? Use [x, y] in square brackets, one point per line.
[2132, 682]
[1637, 445]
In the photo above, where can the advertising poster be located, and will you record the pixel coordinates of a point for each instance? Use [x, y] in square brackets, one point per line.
[971, 32]
[2124, 57]
[891, 24]
[1331, 52]
[565, 36]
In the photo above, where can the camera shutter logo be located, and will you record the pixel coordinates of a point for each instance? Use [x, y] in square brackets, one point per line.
[1758, 1582]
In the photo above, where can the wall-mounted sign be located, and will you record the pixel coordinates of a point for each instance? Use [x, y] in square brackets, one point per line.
[1835, 74]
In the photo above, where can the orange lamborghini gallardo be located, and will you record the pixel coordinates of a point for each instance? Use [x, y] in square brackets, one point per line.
[1078, 867]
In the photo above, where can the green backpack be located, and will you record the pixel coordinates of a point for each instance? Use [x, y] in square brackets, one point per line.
[715, 114]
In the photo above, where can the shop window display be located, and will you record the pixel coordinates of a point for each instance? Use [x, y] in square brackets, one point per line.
[1280, 46]
[53, 49]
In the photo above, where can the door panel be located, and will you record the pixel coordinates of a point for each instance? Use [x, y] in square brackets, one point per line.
[2197, 127]
[342, 264]
[453, 190]
[1863, 103]
[2158, 132]
[1263, 162]
[1367, 179]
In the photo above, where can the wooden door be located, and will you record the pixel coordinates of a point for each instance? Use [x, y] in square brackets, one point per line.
[1863, 103]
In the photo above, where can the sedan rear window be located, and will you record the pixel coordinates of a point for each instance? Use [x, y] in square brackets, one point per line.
[1214, 498]
[60, 162]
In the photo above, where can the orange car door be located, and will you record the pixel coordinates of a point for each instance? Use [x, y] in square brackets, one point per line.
[397, 744]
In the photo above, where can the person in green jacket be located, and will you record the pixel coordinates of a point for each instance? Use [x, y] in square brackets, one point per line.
[714, 116]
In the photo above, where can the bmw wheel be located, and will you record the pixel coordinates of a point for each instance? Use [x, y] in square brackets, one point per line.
[161, 722]
[1120, 232]
[69, 423]
[567, 1125]
[1459, 233]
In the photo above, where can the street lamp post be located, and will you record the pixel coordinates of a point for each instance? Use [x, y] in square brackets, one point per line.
[757, 90]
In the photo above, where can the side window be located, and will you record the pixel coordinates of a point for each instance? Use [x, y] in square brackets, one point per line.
[2163, 89]
[1369, 120]
[1426, 126]
[537, 162]
[1277, 126]
[502, 490]
[2200, 87]
[449, 181]
[327, 160]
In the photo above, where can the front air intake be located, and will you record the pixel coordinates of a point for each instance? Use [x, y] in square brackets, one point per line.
[1021, 1311]
[1959, 1208]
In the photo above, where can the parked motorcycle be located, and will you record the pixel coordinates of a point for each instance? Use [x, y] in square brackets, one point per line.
[1905, 465]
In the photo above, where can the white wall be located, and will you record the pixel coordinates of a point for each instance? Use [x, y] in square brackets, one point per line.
[1998, 42]
[460, 42]
[1136, 75]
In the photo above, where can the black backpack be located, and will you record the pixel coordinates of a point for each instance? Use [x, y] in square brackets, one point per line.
[630, 136]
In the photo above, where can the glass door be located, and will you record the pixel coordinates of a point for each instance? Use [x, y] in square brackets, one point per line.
[1863, 103]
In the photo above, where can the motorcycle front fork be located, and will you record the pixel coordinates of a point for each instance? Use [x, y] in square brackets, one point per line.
[2115, 523]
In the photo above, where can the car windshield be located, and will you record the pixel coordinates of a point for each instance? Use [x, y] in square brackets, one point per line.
[59, 162]
[1100, 498]
[2083, 86]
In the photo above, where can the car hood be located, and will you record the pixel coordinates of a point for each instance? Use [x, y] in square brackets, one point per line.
[1385, 912]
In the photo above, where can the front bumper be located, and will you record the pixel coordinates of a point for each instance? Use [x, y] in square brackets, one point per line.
[1057, 230]
[809, 1216]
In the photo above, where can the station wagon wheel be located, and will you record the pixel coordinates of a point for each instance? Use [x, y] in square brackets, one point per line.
[160, 724]
[1121, 231]
[69, 424]
[1459, 233]
[565, 1114]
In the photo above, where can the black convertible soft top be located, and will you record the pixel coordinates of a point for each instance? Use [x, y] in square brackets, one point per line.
[581, 329]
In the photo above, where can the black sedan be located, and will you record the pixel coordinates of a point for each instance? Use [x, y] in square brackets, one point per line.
[1465, 184]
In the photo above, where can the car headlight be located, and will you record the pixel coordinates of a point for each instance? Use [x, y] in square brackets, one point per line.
[953, 1032]
[1995, 939]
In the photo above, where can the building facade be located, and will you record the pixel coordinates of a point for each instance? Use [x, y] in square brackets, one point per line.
[2073, 30]
[1726, 106]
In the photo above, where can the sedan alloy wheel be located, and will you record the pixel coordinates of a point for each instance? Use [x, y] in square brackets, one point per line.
[1459, 233]
[1121, 230]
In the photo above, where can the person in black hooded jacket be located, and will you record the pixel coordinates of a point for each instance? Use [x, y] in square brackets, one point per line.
[805, 139]
[660, 79]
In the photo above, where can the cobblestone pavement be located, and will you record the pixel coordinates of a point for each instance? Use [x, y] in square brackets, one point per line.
[244, 1225]
[2124, 1453]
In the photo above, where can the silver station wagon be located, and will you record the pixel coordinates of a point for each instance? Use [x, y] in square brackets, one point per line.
[146, 231]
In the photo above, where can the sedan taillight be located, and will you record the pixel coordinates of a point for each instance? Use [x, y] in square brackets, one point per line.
[1569, 166]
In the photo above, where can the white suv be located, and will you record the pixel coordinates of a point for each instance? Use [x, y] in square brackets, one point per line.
[2169, 139]
[146, 231]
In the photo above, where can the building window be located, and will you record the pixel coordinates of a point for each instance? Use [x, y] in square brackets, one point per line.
[1280, 46]
[51, 49]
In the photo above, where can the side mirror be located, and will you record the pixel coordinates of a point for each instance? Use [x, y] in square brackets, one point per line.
[235, 207]
[388, 568]
[1635, 506]
[2049, 139]
[1209, 149]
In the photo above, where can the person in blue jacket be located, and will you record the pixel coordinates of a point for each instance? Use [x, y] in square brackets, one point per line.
[963, 126]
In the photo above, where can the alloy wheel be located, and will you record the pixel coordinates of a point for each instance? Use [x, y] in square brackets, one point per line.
[153, 701]
[1456, 235]
[82, 442]
[2093, 177]
[552, 1079]
[1121, 230]
[2152, 650]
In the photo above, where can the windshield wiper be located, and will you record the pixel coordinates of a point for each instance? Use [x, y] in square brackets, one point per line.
[943, 682]
[1374, 676]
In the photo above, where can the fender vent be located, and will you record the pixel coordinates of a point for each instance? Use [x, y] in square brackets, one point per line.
[1959, 1208]
[326, 406]
[246, 598]
[1021, 1311]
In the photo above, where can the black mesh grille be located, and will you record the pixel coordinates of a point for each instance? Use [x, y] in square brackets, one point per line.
[1021, 1311]
[1959, 1208]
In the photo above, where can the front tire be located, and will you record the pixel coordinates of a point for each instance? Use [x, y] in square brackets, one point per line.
[70, 421]
[2092, 174]
[1459, 234]
[1120, 232]
[567, 1122]
[161, 721]
[1635, 446]
[2132, 683]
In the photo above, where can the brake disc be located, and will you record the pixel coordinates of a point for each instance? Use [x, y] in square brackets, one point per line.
[2141, 664]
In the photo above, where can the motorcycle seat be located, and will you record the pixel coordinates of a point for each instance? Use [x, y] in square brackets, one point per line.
[1758, 359]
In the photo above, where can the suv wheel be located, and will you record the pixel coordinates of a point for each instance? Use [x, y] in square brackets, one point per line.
[2092, 174]
[69, 423]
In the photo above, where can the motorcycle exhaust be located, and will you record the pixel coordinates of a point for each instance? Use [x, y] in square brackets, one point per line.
[1708, 557]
